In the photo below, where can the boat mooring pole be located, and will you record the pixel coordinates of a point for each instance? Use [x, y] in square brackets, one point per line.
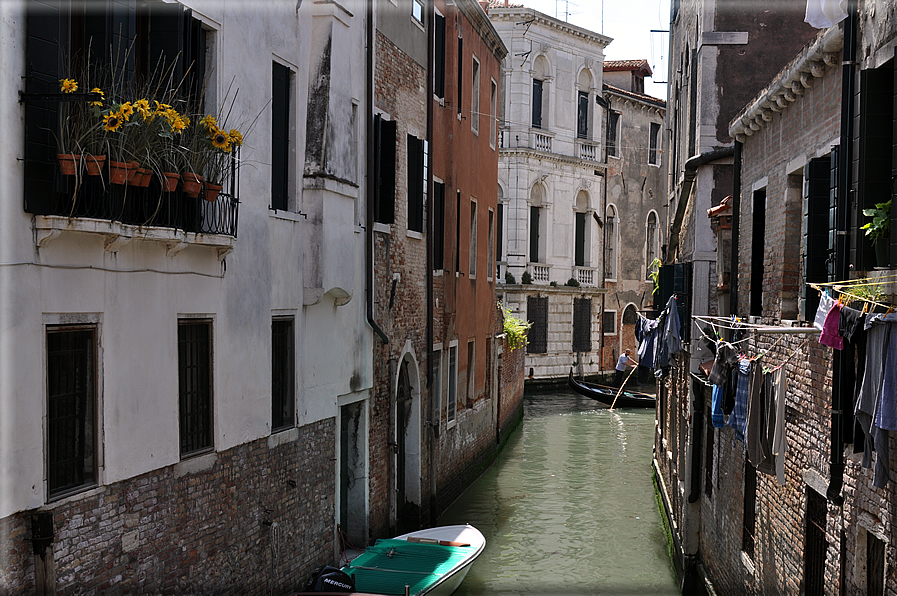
[623, 384]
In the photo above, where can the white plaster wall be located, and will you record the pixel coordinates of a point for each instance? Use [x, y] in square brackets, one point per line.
[138, 293]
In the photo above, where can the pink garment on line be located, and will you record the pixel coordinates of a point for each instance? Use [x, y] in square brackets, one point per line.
[831, 332]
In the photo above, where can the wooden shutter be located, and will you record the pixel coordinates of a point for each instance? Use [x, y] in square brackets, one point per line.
[439, 60]
[537, 103]
[280, 136]
[415, 176]
[816, 231]
[537, 314]
[385, 170]
[580, 240]
[582, 324]
[438, 226]
[582, 116]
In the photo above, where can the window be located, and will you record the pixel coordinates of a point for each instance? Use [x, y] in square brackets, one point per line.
[436, 386]
[385, 170]
[283, 379]
[758, 249]
[579, 240]
[582, 115]
[815, 544]
[60, 35]
[653, 153]
[650, 243]
[749, 518]
[471, 371]
[610, 240]
[458, 232]
[613, 119]
[582, 324]
[475, 97]
[875, 565]
[452, 398]
[438, 226]
[460, 73]
[490, 256]
[537, 316]
[473, 239]
[195, 386]
[537, 103]
[280, 137]
[417, 11]
[71, 409]
[417, 175]
[609, 322]
[499, 236]
[493, 122]
[534, 224]
[439, 57]
[816, 248]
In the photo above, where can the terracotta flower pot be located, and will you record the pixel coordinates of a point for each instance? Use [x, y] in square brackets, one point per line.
[170, 181]
[211, 192]
[132, 172]
[94, 164]
[142, 178]
[191, 184]
[68, 163]
[119, 172]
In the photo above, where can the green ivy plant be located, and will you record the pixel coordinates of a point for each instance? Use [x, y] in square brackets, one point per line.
[514, 328]
[654, 273]
[880, 226]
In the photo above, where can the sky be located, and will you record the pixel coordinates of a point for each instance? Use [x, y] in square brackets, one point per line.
[628, 22]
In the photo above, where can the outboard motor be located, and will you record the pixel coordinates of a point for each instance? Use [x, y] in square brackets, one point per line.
[329, 579]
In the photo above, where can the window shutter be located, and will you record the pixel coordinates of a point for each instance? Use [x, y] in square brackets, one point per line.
[44, 30]
[166, 40]
[815, 231]
[415, 176]
[582, 324]
[534, 234]
[438, 226]
[580, 248]
[385, 169]
[280, 140]
[537, 103]
[537, 314]
[582, 116]
[439, 61]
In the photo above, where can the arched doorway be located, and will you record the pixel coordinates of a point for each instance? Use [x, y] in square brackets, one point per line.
[408, 449]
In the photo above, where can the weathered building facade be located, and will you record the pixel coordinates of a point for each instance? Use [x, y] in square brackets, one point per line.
[811, 153]
[184, 406]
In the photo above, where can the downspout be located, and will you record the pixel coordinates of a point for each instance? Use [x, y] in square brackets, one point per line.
[842, 271]
[433, 422]
[736, 214]
[691, 172]
[369, 178]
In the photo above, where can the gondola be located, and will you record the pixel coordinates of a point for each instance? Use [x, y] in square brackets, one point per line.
[606, 395]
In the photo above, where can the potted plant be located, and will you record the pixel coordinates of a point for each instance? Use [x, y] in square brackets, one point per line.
[80, 139]
[879, 230]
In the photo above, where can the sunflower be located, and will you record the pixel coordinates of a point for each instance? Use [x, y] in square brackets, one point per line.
[69, 85]
[220, 140]
[143, 108]
[234, 137]
[210, 123]
[112, 122]
[102, 95]
[178, 124]
[126, 111]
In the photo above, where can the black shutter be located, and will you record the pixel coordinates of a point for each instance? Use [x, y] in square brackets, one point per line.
[893, 243]
[816, 231]
[537, 103]
[682, 289]
[44, 33]
[280, 137]
[166, 41]
[385, 170]
[121, 33]
[415, 184]
[438, 226]
[499, 240]
[873, 158]
[582, 324]
[758, 251]
[460, 72]
[612, 118]
[439, 60]
[580, 240]
[537, 314]
[534, 234]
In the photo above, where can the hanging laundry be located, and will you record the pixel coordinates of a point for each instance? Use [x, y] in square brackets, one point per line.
[646, 334]
[852, 329]
[876, 439]
[738, 418]
[756, 418]
[779, 440]
[825, 305]
[716, 410]
[886, 413]
[831, 332]
[726, 358]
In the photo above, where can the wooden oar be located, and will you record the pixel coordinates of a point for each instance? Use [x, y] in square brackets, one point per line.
[623, 384]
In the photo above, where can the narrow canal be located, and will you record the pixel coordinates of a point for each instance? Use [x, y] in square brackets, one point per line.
[569, 506]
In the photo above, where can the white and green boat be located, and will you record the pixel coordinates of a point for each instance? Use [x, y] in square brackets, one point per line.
[432, 562]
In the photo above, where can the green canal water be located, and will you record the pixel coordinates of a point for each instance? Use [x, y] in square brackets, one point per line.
[569, 506]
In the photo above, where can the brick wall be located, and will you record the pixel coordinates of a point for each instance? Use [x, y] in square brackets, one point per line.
[207, 532]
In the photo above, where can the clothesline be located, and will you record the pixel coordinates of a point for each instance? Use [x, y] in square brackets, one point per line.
[739, 325]
[855, 283]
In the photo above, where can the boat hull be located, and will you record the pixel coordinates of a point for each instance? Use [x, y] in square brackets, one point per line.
[609, 396]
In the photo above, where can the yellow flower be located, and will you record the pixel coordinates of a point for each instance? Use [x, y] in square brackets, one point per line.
[235, 137]
[221, 141]
[112, 122]
[210, 123]
[126, 111]
[178, 124]
[102, 97]
[69, 85]
[143, 108]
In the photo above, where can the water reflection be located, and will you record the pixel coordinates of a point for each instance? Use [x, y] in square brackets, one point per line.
[569, 507]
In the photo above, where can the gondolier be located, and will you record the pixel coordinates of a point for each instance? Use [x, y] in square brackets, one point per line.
[623, 363]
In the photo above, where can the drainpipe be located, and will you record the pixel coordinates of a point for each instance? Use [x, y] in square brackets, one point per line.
[432, 421]
[369, 178]
[691, 172]
[736, 214]
[842, 270]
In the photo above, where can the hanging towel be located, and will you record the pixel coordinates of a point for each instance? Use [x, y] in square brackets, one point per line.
[823, 14]
[831, 332]
[716, 412]
[726, 358]
[779, 438]
[825, 305]
[886, 414]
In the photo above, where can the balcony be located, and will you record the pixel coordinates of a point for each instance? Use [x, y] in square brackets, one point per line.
[586, 150]
[92, 204]
[541, 142]
[585, 277]
[540, 273]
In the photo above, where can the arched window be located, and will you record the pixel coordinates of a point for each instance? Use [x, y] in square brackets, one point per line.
[630, 316]
[541, 74]
[650, 243]
[581, 244]
[583, 105]
[610, 239]
[536, 224]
